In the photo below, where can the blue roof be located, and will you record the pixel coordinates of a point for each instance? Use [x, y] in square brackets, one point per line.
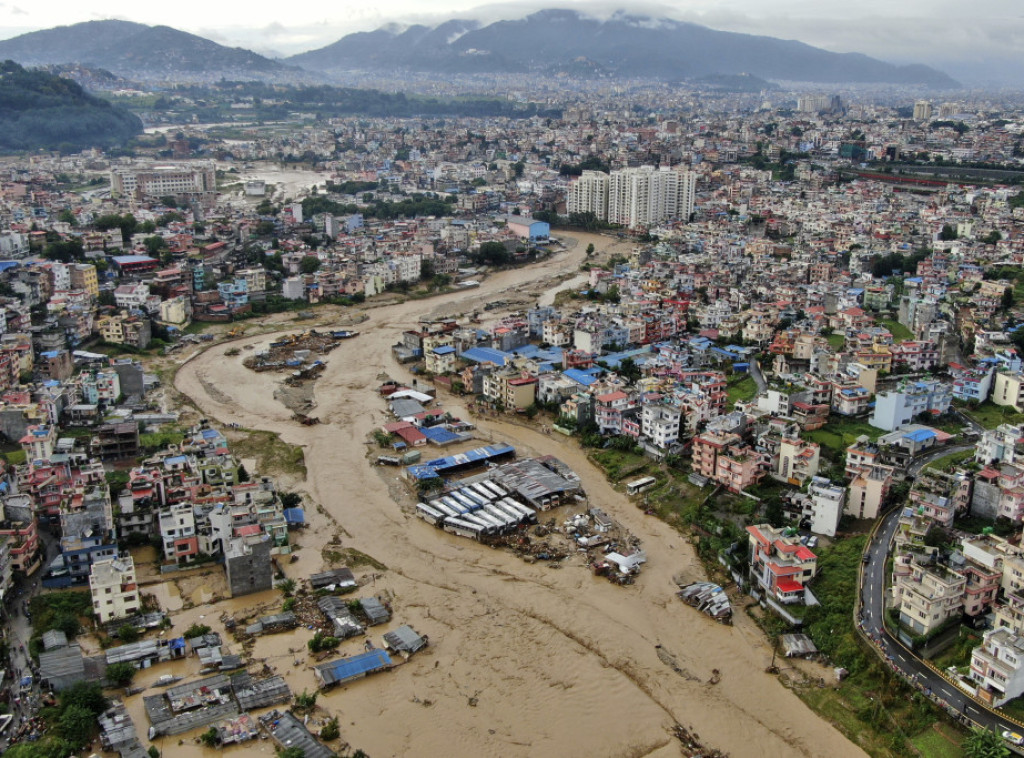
[438, 434]
[4, 265]
[444, 350]
[440, 466]
[294, 515]
[486, 355]
[580, 377]
[358, 665]
[920, 435]
[174, 460]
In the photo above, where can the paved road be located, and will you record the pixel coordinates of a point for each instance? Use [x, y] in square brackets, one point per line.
[873, 605]
[919, 463]
[755, 372]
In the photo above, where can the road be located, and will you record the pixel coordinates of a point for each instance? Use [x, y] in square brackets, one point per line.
[758, 377]
[902, 659]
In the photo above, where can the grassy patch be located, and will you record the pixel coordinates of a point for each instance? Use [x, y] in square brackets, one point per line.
[841, 432]
[836, 341]
[740, 389]
[618, 464]
[16, 457]
[941, 741]
[959, 653]
[273, 456]
[899, 332]
[951, 460]
[990, 415]
[159, 440]
[347, 556]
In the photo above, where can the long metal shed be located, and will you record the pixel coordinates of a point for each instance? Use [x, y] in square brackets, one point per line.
[356, 667]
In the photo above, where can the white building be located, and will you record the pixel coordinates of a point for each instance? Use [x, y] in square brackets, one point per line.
[660, 423]
[589, 194]
[1004, 444]
[827, 503]
[115, 593]
[997, 665]
[293, 288]
[645, 196]
[897, 408]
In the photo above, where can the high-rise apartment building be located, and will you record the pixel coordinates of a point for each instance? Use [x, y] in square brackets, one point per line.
[589, 194]
[634, 197]
[922, 110]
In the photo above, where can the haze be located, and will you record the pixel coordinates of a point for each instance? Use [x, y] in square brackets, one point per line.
[979, 43]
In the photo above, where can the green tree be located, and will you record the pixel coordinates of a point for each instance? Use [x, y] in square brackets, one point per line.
[291, 752]
[243, 474]
[306, 701]
[948, 233]
[590, 249]
[88, 695]
[330, 730]
[155, 245]
[120, 674]
[287, 586]
[128, 633]
[77, 725]
[494, 253]
[309, 264]
[982, 743]
[68, 217]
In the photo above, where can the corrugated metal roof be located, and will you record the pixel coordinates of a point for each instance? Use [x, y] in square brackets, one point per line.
[346, 669]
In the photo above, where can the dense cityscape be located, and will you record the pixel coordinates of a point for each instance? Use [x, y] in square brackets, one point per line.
[758, 346]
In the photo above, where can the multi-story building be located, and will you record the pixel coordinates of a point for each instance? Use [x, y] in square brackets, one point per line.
[589, 194]
[1004, 444]
[867, 491]
[660, 423]
[196, 182]
[781, 566]
[1008, 389]
[928, 596]
[997, 666]
[83, 277]
[897, 408]
[798, 460]
[115, 593]
[645, 196]
[178, 533]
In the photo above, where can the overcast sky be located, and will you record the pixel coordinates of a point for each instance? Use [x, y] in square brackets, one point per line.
[983, 36]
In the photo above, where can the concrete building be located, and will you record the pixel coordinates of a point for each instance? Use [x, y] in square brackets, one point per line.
[248, 564]
[780, 566]
[589, 194]
[897, 408]
[645, 196]
[997, 665]
[927, 596]
[115, 593]
[194, 182]
[867, 491]
[1007, 389]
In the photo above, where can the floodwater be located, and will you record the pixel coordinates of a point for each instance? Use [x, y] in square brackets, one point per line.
[525, 660]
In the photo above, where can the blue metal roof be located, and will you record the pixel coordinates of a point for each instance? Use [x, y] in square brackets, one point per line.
[438, 434]
[486, 355]
[580, 377]
[294, 516]
[444, 350]
[920, 435]
[345, 669]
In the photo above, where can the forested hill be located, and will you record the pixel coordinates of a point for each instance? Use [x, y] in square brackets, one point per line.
[39, 111]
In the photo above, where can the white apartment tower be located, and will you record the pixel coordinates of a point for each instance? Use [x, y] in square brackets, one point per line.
[645, 196]
[589, 194]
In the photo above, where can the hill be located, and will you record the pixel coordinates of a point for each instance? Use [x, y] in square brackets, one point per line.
[42, 111]
[623, 45]
[137, 51]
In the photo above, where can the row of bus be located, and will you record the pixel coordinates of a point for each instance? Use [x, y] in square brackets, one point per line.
[476, 510]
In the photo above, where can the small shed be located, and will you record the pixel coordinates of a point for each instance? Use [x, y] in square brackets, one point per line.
[405, 639]
[339, 577]
[62, 667]
[798, 646]
[355, 667]
[375, 611]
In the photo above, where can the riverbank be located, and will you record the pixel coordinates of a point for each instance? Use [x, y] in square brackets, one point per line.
[524, 660]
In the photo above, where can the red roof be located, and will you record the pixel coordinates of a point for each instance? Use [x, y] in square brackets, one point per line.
[788, 585]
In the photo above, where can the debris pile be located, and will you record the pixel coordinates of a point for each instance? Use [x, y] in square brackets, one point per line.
[293, 352]
[709, 598]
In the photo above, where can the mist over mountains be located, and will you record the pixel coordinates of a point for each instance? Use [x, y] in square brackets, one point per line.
[546, 42]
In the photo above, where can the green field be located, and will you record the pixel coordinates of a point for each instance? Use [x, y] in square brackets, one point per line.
[836, 341]
[740, 389]
[990, 415]
[840, 432]
[899, 332]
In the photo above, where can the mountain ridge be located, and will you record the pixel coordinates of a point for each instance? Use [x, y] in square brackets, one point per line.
[135, 50]
[624, 45]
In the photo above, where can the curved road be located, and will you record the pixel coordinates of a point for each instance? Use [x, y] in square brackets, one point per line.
[899, 656]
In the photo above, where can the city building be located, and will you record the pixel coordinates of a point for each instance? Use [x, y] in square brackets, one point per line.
[115, 593]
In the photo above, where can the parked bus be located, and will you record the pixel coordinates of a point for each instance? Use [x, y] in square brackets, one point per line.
[463, 528]
[639, 485]
[429, 514]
